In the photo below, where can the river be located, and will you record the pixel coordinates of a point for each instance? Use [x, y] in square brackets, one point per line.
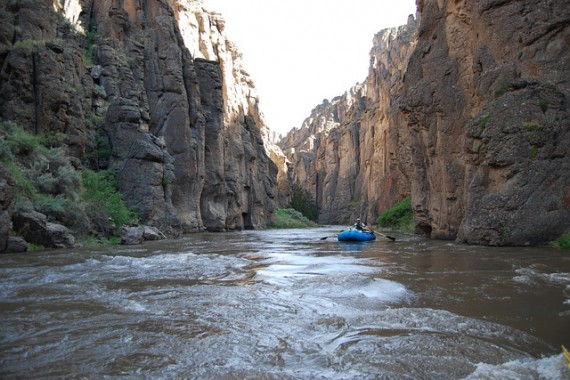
[286, 304]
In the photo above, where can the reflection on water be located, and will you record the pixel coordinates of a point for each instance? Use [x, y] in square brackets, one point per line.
[285, 304]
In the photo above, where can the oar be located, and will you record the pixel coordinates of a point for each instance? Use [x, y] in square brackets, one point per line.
[381, 234]
[566, 355]
[326, 237]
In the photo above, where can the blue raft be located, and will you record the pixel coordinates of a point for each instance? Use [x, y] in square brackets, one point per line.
[352, 234]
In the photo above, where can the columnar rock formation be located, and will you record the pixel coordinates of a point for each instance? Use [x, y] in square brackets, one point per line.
[160, 86]
[474, 126]
[486, 110]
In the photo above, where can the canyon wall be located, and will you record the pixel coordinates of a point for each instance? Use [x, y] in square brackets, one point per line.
[152, 90]
[486, 111]
[347, 153]
[475, 127]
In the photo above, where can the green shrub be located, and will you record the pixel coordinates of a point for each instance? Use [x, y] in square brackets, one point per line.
[503, 86]
[532, 126]
[23, 185]
[29, 44]
[100, 189]
[65, 210]
[290, 218]
[303, 202]
[22, 142]
[563, 242]
[484, 121]
[400, 216]
[52, 139]
[533, 152]
[97, 241]
[543, 104]
[69, 181]
[104, 149]
[54, 174]
[5, 151]
[35, 247]
[47, 182]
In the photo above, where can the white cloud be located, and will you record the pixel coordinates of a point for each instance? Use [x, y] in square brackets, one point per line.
[299, 52]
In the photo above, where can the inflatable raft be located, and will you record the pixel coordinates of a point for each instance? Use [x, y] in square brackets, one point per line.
[352, 234]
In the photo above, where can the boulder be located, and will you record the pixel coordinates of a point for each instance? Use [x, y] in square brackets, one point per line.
[59, 236]
[16, 245]
[34, 228]
[133, 235]
[152, 233]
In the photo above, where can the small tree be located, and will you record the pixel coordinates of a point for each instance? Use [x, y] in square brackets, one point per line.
[303, 202]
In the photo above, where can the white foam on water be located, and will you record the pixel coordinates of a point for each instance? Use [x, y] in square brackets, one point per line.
[549, 368]
[336, 281]
[532, 275]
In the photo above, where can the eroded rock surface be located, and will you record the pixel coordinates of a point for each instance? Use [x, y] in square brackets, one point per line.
[486, 111]
[151, 90]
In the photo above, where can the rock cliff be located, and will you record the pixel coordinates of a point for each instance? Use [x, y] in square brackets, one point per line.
[486, 111]
[474, 126]
[152, 90]
[347, 153]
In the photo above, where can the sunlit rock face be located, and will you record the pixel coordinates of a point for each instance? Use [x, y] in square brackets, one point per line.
[159, 86]
[470, 116]
[346, 153]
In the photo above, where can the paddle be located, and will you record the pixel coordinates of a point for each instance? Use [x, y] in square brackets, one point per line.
[381, 234]
[326, 237]
[566, 355]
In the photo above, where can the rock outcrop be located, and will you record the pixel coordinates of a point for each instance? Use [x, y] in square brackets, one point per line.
[34, 227]
[471, 118]
[152, 90]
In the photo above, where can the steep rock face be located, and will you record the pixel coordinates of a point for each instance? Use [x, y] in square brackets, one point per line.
[6, 203]
[347, 153]
[160, 87]
[486, 112]
[470, 116]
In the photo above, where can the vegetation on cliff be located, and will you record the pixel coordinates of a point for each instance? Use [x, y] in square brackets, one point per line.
[49, 181]
[290, 218]
[302, 201]
[399, 217]
[563, 242]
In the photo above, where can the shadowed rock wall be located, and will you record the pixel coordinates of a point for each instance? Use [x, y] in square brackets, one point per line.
[160, 86]
[486, 111]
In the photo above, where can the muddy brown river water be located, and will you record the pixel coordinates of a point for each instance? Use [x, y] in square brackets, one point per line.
[284, 304]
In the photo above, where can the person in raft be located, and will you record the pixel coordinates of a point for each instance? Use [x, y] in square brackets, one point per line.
[358, 225]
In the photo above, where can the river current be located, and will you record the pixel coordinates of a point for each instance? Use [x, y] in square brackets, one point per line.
[285, 304]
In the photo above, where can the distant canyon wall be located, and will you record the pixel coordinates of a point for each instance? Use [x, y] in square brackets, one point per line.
[152, 90]
[347, 153]
[475, 126]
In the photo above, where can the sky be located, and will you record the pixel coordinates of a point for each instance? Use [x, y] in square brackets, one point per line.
[299, 52]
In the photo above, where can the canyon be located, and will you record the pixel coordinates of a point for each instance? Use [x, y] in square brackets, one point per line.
[465, 109]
